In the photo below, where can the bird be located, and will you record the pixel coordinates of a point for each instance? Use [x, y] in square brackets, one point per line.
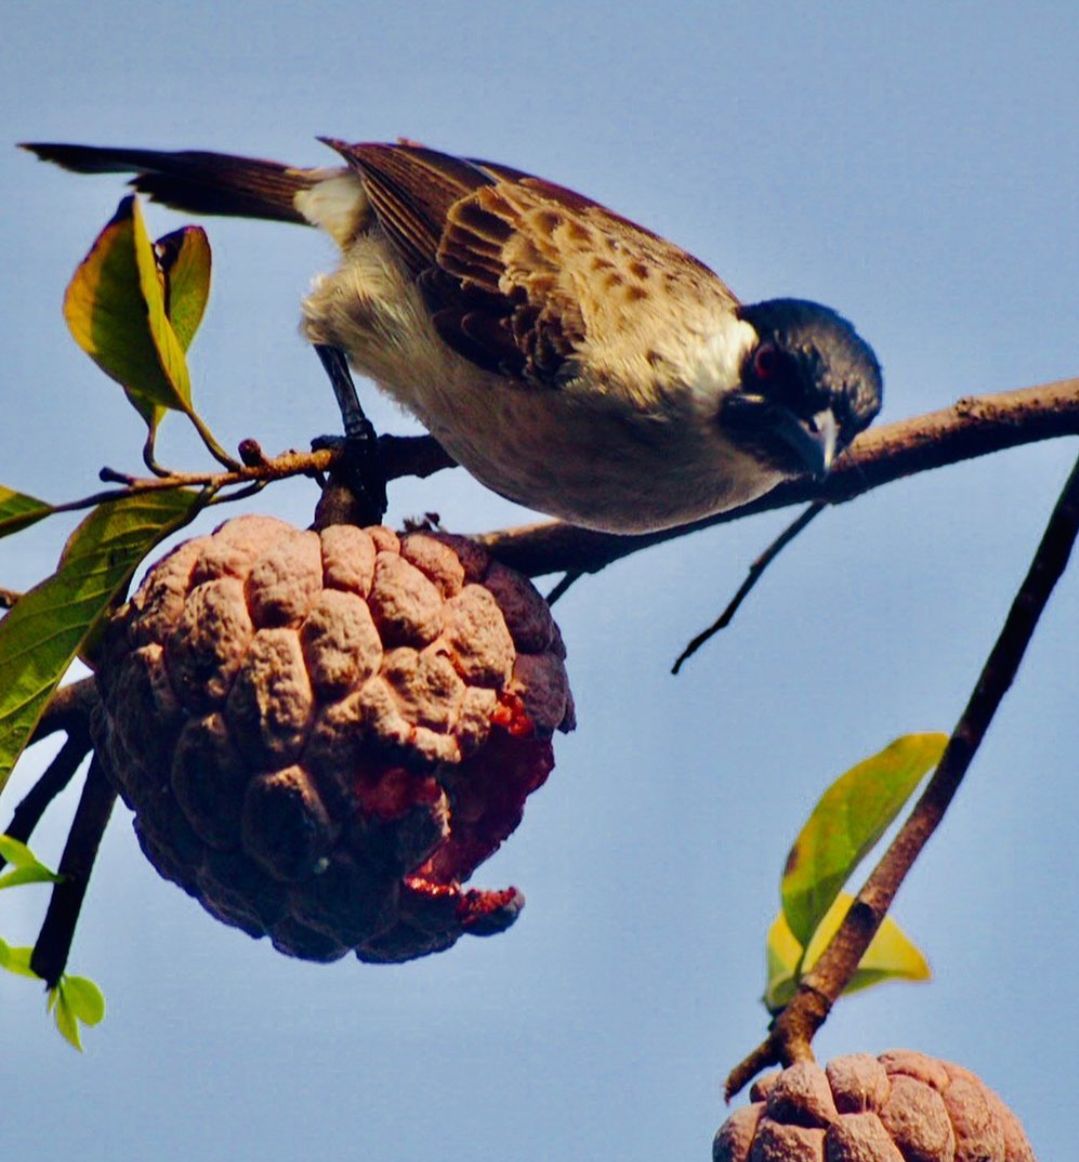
[571, 360]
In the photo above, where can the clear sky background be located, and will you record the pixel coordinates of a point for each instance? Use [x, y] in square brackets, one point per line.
[915, 166]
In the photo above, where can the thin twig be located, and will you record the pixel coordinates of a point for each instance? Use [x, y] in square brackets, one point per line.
[560, 589]
[275, 468]
[50, 954]
[399, 456]
[238, 493]
[793, 1030]
[58, 774]
[756, 571]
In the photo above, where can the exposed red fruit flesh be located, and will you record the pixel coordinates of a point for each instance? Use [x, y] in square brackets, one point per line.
[487, 794]
[486, 913]
[393, 792]
[511, 715]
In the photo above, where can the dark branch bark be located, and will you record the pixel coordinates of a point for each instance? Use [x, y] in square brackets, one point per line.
[413, 456]
[793, 1030]
[50, 954]
[56, 777]
[69, 709]
[973, 426]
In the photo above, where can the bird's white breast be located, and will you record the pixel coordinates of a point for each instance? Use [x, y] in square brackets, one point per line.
[591, 451]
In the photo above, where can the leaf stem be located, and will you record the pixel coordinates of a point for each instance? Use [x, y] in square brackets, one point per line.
[208, 438]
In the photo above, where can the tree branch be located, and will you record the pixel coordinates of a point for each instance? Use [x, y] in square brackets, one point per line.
[399, 455]
[50, 954]
[58, 774]
[793, 1030]
[69, 709]
[973, 426]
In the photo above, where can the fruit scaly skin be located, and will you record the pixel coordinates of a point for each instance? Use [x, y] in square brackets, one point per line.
[322, 735]
[902, 1106]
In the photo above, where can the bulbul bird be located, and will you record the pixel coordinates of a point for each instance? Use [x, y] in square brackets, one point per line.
[571, 360]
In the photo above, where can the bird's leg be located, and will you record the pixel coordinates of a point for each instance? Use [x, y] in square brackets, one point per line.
[359, 470]
[357, 425]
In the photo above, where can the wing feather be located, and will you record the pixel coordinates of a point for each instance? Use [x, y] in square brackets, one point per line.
[526, 277]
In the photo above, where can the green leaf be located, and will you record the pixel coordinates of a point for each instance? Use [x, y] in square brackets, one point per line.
[84, 998]
[18, 511]
[41, 635]
[28, 875]
[847, 821]
[63, 1014]
[115, 309]
[16, 853]
[16, 960]
[891, 955]
[28, 869]
[783, 961]
[183, 257]
[75, 999]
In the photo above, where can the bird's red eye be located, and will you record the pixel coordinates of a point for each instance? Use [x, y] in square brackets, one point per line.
[766, 361]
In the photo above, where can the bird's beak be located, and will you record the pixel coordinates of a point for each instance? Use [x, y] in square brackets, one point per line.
[814, 440]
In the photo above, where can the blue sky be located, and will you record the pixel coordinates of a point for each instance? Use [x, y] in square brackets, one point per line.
[914, 166]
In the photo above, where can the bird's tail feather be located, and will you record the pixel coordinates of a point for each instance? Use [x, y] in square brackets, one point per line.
[199, 182]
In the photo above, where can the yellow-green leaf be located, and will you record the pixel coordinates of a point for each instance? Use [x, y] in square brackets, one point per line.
[75, 999]
[28, 869]
[28, 875]
[16, 960]
[62, 1014]
[19, 511]
[115, 309]
[84, 998]
[41, 635]
[15, 852]
[891, 955]
[183, 257]
[845, 824]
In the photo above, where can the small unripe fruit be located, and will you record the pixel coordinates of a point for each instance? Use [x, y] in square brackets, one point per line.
[899, 1107]
[323, 734]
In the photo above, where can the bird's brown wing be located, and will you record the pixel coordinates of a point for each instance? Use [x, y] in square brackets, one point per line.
[525, 277]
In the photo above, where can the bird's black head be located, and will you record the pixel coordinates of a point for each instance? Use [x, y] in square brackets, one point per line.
[809, 385]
